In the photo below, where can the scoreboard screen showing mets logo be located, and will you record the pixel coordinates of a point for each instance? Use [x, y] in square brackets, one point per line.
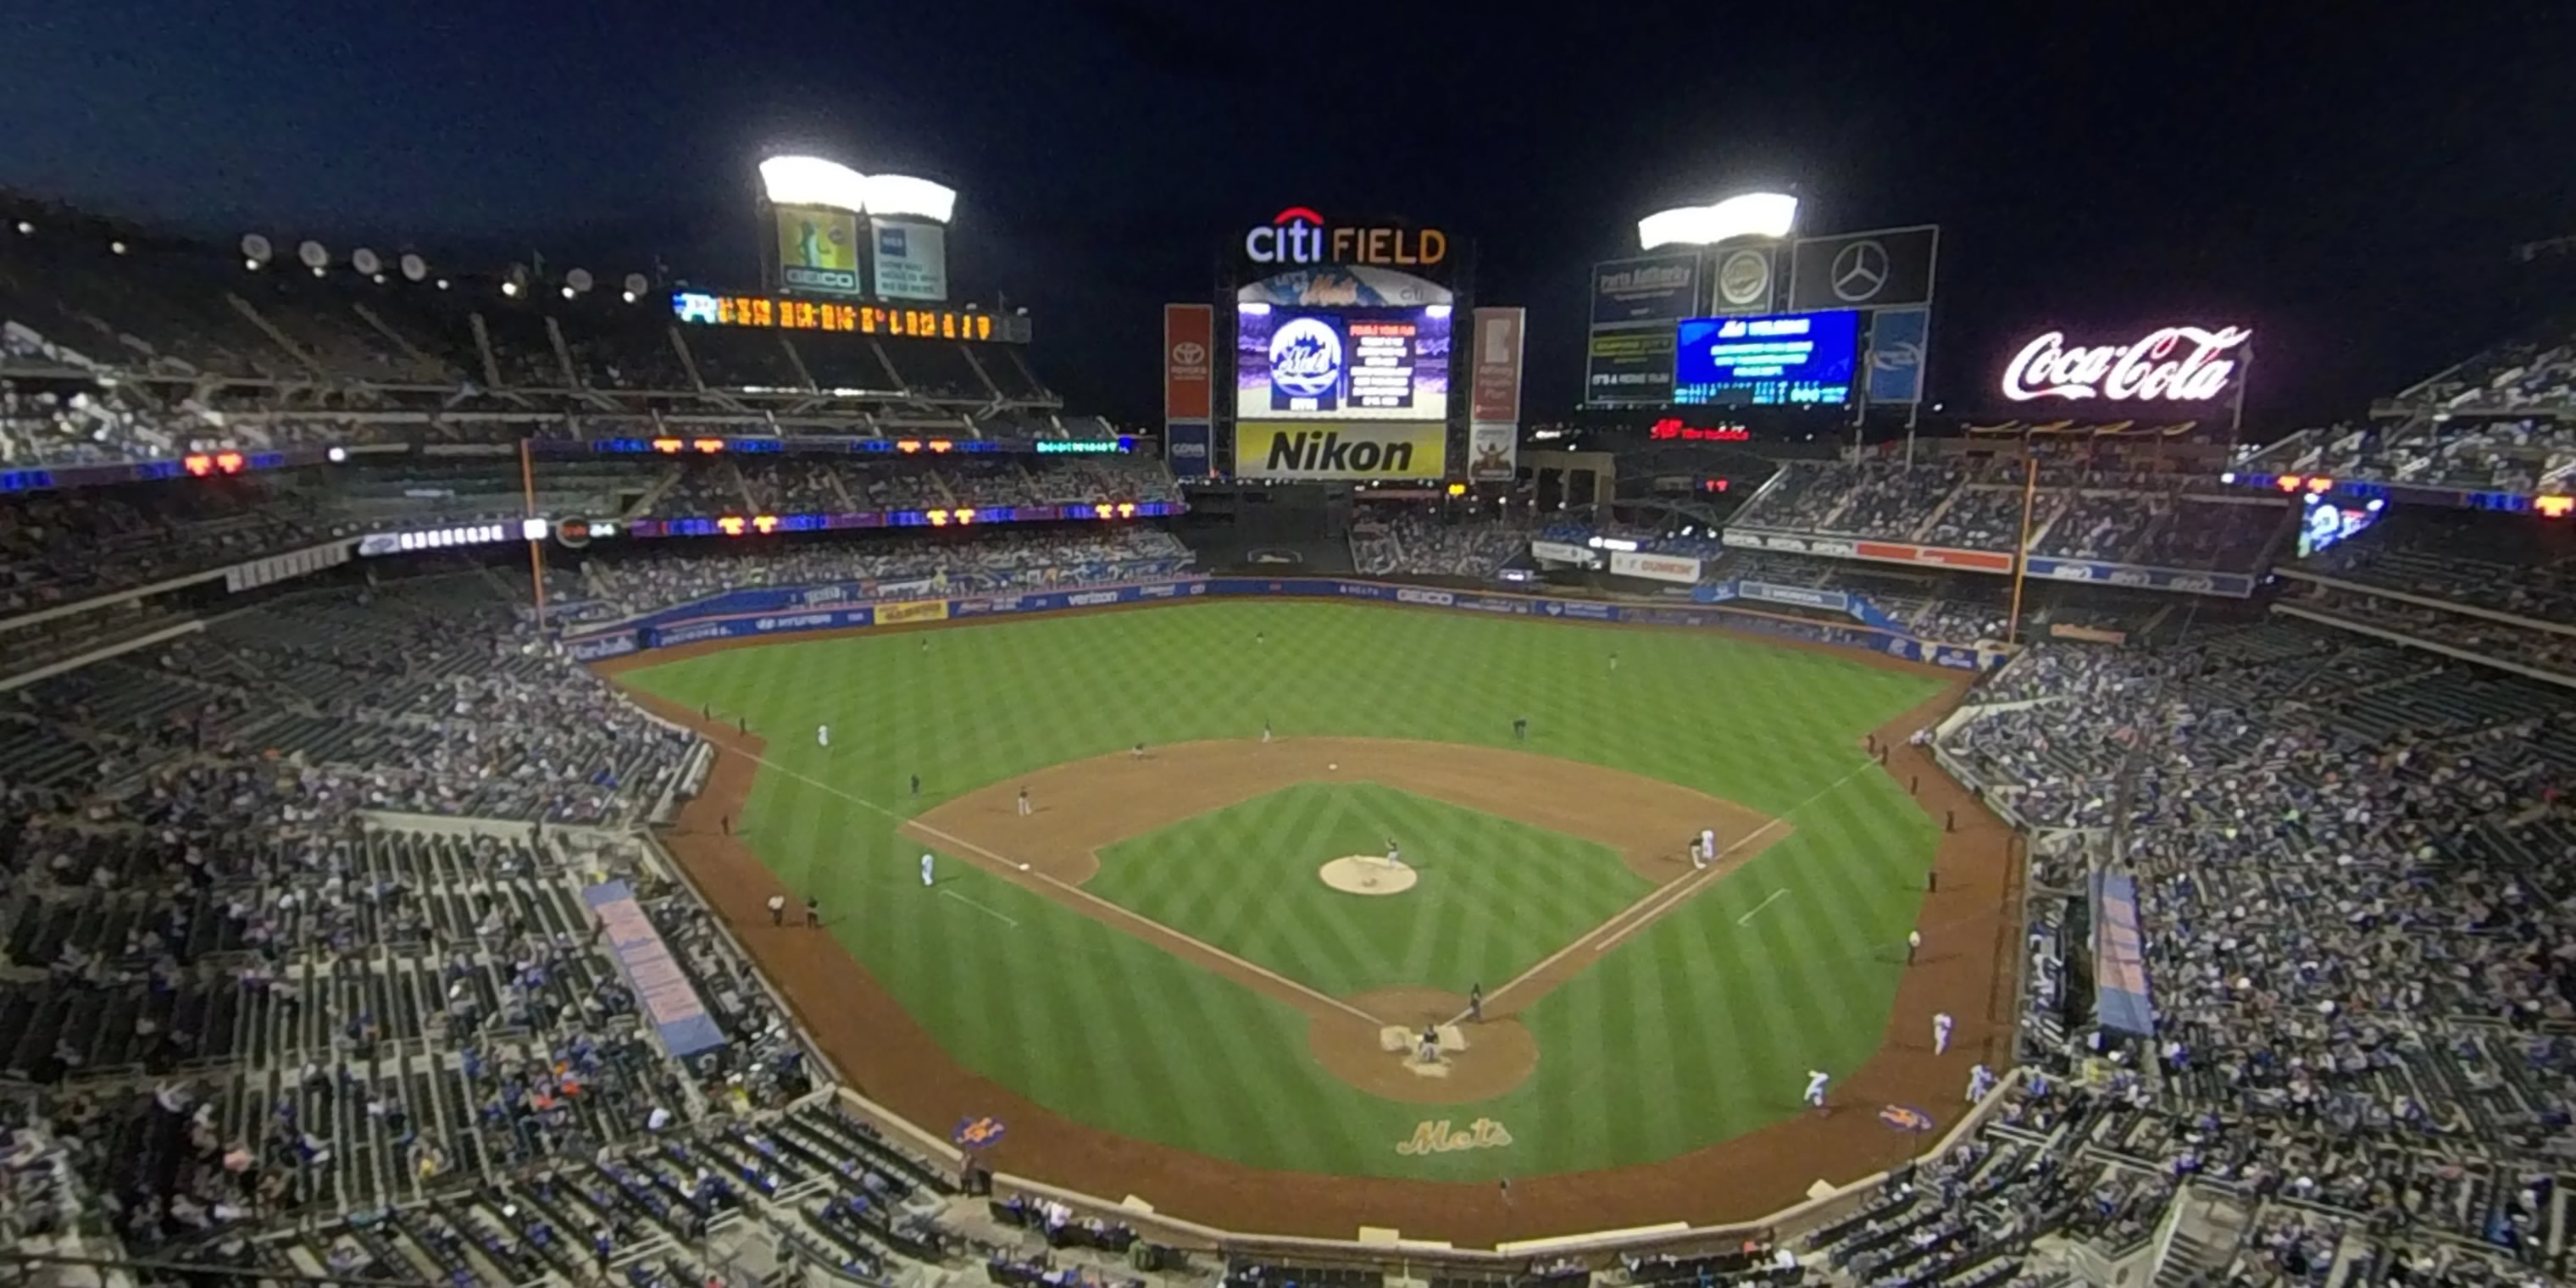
[1342, 363]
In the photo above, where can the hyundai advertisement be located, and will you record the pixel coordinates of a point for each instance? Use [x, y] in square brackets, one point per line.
[1778, 360]
[1341, 364]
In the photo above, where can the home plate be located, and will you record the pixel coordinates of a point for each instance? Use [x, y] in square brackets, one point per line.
[1397, 1038]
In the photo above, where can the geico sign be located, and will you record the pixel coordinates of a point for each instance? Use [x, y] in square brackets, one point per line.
[1298, 235]
[2176, 363]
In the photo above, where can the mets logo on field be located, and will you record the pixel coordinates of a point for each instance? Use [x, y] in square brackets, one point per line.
[976, 1133]
[1901, 1118]
[1438, 1137]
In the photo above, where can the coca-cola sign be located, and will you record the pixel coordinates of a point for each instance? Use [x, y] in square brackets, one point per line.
[2168, 364]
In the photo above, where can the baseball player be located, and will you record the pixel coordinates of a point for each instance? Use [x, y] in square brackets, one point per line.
[1138, 753]
[822, 735]
[1265, 731]
[1913, 945]
[1708, 844]
[1981, 1080]
[1394, 854]
[1520, 728]
[1941, 1032]
[1816, 1081]
[1429, 1053]
[1025, 811]
[916, 787]
[1614, 661]
[925, 869]
[778, 910]
[1476, 1003]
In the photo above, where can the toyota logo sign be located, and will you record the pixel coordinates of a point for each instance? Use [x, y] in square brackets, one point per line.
[1189, 353]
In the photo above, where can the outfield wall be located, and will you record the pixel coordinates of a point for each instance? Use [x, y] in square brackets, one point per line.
[684, 626]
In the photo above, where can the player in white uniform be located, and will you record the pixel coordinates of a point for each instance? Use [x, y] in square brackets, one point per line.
[1816, 1081]
[1394, 854]
[1941, 1023]
[1025, 811]
[822, 735]
[1708, 844]
[1981, 1080]
[925, 870]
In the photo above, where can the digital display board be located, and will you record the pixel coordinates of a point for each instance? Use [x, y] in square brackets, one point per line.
[1341, 364]
[855, 319]
[1774, 360]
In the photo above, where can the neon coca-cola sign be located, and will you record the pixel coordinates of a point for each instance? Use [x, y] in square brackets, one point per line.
[2171, 364]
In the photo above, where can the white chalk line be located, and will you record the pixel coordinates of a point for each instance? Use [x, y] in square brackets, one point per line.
[994, 914]
[1775, 895]
[1010, 868]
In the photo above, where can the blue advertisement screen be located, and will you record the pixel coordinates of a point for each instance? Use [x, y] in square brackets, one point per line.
[1776, 360]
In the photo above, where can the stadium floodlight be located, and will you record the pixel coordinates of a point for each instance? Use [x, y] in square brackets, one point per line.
[510, 289]
[116, 248]
[26, 229]
[813, 181]
[1751, 214]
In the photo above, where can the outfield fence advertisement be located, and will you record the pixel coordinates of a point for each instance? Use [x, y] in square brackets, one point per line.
[2186, 581]
[1711, 607]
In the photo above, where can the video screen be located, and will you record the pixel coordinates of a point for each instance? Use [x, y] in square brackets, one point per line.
[1341, 363]
[1779, 360]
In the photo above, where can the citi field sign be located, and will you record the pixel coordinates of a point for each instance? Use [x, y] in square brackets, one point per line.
[2168, 364]
[1298, 236]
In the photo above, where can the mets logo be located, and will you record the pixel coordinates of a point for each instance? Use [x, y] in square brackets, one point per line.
[1306, 358]
[976, 1133]
[1438, 1137]
[1901, 1118]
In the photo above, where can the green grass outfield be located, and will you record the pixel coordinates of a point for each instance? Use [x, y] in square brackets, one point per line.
[1695, 1030]
[1494, 895]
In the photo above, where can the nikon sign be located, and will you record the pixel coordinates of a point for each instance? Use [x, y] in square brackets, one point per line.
[1340, 450]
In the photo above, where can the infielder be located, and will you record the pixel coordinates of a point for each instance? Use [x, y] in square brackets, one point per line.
[1816, 1081]
[1265, 731]
[925, 870]
[1708, 845]
[1025, 811]
[822, 735]
[1394, 854]
[1941, 1032]
[1137, 752]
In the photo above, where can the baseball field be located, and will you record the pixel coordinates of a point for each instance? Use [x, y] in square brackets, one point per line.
[1193, 964]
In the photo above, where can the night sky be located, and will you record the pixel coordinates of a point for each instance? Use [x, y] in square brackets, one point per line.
[2351, 187]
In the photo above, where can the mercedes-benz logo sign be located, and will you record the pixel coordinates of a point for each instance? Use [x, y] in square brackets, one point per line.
[1744, 278]
[1189, 353]
[1859, 271]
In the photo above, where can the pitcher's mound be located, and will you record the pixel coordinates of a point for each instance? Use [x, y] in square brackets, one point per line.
[1368, 874]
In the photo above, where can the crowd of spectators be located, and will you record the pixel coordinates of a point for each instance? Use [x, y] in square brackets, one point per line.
[2347, 855]
[1424, 546]
[955, 560]
[2504, 455]
[2503, 563]
[840, 485]
[2124, 516]
[2532, 372]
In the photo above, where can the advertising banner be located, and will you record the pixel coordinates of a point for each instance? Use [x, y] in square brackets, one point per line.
[1299, 363]
[1187, 446]
[593, 648]
[2120, 958]
[818, 250]
[1899, 342]
[1776, 360]
[1746, 280]
[1559, 552]
[912, 259]
[1629, 368]
[1496, 389]
[1189, 361]
[1802, 596]
[923, 610]
[1654, 290]
[662, 989]
[1678, 569]
[1339, 450]
[1493, 452]
[1885, 268]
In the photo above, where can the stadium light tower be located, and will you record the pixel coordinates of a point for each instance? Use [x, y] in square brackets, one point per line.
[813, 181]
[1750, 214]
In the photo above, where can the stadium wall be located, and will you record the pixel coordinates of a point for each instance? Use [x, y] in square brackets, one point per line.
[677, 628]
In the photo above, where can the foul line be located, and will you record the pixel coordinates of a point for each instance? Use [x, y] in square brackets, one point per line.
[980, 908]
[1008, 871]
[1775, 895]
[1665, 897]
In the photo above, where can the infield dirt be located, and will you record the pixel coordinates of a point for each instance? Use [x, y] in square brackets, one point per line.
[1966, 970]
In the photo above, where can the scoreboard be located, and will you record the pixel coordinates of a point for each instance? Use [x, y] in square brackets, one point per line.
[705, 309]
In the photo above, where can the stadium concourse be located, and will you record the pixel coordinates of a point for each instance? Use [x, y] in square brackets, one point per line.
[300, 972]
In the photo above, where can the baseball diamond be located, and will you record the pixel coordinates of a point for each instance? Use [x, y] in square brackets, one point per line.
[1144, 975]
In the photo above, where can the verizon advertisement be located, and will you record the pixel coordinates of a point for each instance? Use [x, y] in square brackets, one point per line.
[1678, 569]
[2168, 364]
[1189, 351]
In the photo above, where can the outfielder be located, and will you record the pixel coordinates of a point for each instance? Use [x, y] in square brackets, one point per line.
[1394, 854]
[1941, 1032]
[822, 735]
[1816, 1082]
[925, 869]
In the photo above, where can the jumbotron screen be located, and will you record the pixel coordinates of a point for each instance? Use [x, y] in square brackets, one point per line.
[1341, 363]
[1782, 360]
